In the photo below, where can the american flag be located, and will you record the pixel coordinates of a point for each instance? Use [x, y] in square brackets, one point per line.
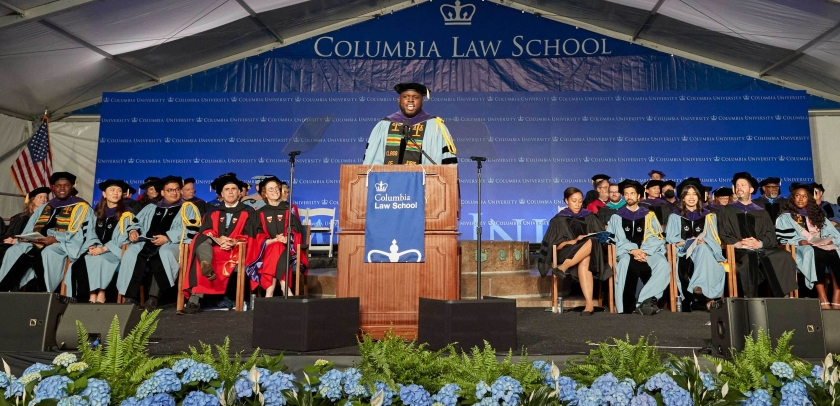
[33, 167]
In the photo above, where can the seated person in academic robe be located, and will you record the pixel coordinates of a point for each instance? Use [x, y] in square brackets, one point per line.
[93, 272]
[802, 223]
[749, 228]
[577, 255]
[129, 201]
[832, 211]
[669, 194]
[18, 222]
[269, 266]
[615, 202]
[593, 194]
[213, 260]
[188, 194]
[701, 275]
[67, 226]
[410, 136]
[150, 194]
[770, 199]
[255, 201]
[640, 253]
[164, 226]
[654, 202]
[721, 197]
[603, 189]
[218, 201]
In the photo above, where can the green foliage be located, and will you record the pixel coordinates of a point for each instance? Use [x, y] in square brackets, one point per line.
[825, 389]
[221, 361]
[749, 369]
[482, 365]
[624, 359]
[687, 376]
[392, 361]
[541, 396]
[123, 362]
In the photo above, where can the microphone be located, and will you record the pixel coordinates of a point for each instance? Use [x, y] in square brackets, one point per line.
[405, 129]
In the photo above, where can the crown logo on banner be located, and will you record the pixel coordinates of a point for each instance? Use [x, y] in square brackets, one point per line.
[381, 186]
[457, 14]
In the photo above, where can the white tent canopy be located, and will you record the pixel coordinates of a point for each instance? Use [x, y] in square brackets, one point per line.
[61, 55]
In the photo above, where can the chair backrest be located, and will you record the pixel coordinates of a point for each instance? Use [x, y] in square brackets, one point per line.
[319, 211]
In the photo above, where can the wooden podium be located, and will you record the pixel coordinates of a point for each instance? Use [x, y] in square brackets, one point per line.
[389, 293]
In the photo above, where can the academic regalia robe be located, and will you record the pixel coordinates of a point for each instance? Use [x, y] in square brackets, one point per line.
[774, 208]
[595, 206]
[15, 227]
[638, 230]
[789, 230]
[428, 131]
[71, 222]
[178, 222]
[132, 204]
[269, 261]
[566, 226]
[605, 214]
[703, 268]
[832, 211]
[661, 208]
[200, 204]
[112, 232]
[253, 202]
[737, 221]
[240, 227]
[590, 197]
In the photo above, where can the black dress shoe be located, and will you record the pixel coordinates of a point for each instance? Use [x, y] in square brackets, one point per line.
[584, 313]
[151, 304]
[191, 308]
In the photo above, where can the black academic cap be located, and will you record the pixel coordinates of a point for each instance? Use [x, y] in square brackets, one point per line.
[220, 182]
[417, 87]
[37, 191]
[661, 174]
[807, 186]
[150, 181]
[770, 181]
[189, 180]
[269, 178]
[56, 176]
[113, 182]
[745, 175]
[670, 182]
[600, 176]
[653, 183]
[631, 183]
[695, 182]
[130, 189]
[819, 186]
[167, 180]
[74, 192]
[723, 191]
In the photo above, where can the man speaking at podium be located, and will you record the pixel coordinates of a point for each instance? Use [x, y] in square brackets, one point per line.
[410, 136]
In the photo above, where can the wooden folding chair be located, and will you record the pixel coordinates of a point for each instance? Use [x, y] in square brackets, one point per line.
[733, 272]
[555, 289]
[63, 289]
[240, 276]
[792, 250]
[673, 287]
[183, 263]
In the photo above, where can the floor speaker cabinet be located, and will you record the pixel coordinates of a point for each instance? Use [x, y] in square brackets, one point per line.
[468, 322]
[831, 328]
[96, 318]
[305, 324]
[29, 321]
[736, 318]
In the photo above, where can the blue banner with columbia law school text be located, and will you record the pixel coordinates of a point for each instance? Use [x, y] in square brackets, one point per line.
[395, 217]
[546, 141]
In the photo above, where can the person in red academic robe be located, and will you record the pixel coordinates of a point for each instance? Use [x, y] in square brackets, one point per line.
[269, 249]
[213, 252]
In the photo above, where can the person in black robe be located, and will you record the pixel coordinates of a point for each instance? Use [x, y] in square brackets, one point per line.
[721, 197]
[669, 194]
[151, 193]
[770, 200]
[577, 255]
[653, 201]
[128, 200]
[18, 222]
[188, 194]
[832, 211]
[592, 195]
[656, 175]
[753, 233]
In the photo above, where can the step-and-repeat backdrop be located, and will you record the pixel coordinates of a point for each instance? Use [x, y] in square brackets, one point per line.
[543, 142]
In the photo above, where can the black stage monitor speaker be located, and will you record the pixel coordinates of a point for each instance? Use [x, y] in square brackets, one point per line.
[468, 322]
[305, 324]
[739, 317]
[831, 330]
[29, 321]
[96, 318]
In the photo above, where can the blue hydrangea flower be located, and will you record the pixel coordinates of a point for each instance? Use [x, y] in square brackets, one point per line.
[567, 389]
[330, 386]
[74, 400]
[52, 387]
[387, 393]
[198, 398]
[274, 398]
[278, 382]
[183, 364]
[199, 373]
[130, 402]
[794, 394]
[545, 371]
[244, 387]
[676, 396]
[415, 395]
[781, 370]
[507, 389]
[15, 389]
[708, 380]
[816, 372]
[352, 386]
[37, 367]
[98, 392]
[643, 399]
[590, 397]
[159, 399]
[447, 395]
[759, 397]
[64, 359]
[481, 389]
[660, 381]
[163, 381]
[5, 380]
[488, 401]
[607, 384]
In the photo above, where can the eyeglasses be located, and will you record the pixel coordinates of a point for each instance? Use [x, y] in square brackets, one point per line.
[171, 190]
[271, 189]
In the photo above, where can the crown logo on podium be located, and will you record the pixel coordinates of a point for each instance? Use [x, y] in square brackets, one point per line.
[381, 186]
[457, 14]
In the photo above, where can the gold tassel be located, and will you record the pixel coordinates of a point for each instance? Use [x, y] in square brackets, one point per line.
[428, 95]
[187, 222]
[83, 208]
[125, 215]
[446, 136]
